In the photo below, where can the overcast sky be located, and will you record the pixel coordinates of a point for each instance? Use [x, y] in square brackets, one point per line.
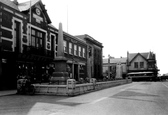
[120, 25]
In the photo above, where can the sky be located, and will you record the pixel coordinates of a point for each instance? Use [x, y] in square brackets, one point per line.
[120, 25]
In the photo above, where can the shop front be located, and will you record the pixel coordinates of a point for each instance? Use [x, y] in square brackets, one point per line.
[33, 67]
[77, 70]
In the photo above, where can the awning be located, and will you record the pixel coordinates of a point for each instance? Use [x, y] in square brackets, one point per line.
[138, 73]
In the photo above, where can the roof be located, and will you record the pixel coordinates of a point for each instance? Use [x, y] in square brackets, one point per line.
[26, 5]
[75, 37]
[52, 26]
[10, 4]
[116, 60]
[88, 37]
[146, 55]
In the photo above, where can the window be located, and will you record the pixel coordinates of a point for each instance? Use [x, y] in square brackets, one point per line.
[70, 48]
[36, 38]
[65, 46]
[135, 64]
[75, 49]
[84, 52]
[141, 64]
[79, 51]
[56, 46]
[90, 51]
[33, 32]
[33, 41]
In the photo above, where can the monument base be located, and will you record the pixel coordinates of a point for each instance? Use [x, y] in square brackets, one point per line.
[60, 74]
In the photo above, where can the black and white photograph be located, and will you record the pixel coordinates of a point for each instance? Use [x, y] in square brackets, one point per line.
[83, 57]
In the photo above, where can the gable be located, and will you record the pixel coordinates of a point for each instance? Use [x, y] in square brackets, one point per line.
[132, 56]
[37, 9]
[139, 58]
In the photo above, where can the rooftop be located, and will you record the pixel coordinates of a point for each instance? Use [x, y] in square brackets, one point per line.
[116, 60]
[26, 5]
[10, 4]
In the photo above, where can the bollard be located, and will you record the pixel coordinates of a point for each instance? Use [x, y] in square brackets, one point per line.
[93, 80]
[71, 84]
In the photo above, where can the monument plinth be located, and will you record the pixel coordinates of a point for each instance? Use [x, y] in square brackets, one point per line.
[60, 74]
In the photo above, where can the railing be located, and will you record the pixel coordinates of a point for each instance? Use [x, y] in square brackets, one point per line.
[38, 51]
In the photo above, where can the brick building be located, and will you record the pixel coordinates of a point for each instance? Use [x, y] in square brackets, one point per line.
[29, 45]
[94, 56]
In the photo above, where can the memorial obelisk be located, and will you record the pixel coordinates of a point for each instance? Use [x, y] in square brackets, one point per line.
[60, 60]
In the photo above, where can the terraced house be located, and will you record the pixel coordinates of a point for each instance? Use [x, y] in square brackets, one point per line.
[30, 45]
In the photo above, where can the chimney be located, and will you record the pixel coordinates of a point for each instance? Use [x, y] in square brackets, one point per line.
[15, 2]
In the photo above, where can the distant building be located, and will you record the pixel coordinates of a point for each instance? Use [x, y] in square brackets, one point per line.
[94, 56]
[142, 63]
[115, 67]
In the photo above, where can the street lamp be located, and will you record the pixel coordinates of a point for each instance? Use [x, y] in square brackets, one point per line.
[109, 66]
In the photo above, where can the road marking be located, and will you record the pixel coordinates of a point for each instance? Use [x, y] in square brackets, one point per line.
[164, 85]
[93, 102]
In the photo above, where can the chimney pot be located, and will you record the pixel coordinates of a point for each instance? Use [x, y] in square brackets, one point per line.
[15, 2]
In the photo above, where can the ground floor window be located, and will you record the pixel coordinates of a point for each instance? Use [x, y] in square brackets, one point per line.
[36, 72]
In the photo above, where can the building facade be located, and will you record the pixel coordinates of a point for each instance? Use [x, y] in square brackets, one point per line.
[27, 42]
[115, 67]
[142, 62]
[94, 57]
[29, 45]
[75, 51]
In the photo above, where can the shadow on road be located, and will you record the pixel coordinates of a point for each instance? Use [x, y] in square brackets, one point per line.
[18, 104]
[132, 95]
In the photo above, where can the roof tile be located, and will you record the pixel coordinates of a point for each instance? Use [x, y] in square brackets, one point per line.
[10, 4]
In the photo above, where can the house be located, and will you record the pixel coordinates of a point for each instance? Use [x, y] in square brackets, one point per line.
[115, 67]
[142, 62]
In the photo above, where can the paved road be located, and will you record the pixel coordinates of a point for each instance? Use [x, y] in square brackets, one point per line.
[137, 98]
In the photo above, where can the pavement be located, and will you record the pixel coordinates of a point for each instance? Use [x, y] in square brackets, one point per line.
[8, 92]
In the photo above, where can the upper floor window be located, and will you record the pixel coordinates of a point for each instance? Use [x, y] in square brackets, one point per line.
[135, 64]
[36, 38]
[56, 46]
[141, 64]
[151, 65]
[75, 49]
[65, 46]
[90, 51]
[70, 48]
[84, 52]
[79, 51]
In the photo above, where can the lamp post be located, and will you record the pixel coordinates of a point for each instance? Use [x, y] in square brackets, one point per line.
[109, 66]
